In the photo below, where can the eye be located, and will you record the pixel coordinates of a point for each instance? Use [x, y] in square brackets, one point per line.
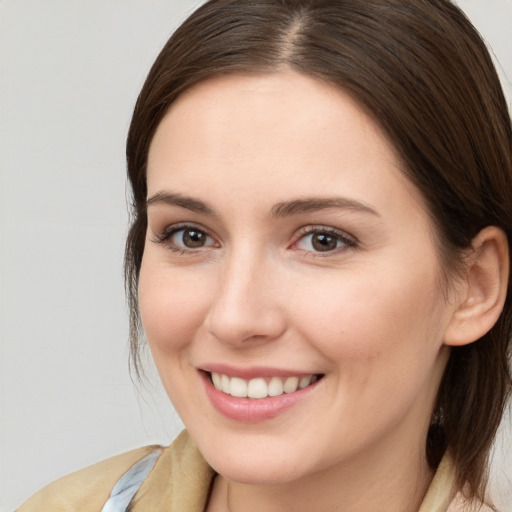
[185, 238]
[191, 238]
[322, 240]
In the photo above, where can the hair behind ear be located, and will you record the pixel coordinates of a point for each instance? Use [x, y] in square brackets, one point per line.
[477, 379]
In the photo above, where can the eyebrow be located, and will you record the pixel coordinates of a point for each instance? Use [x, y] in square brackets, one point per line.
[312, 204]
[283, 209]
[179, 200]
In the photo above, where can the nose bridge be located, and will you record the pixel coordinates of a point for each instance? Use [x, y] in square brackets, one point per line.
[244, 307]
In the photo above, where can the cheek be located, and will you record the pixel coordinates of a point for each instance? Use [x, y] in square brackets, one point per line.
[381, 337]
[381, 321]
[171, 306]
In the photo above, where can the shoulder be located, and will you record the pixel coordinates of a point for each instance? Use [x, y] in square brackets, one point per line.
[87, 489]
[179, 479]
[443, 494]
[461, 504]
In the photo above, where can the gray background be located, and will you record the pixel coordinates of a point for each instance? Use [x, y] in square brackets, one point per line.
[70, 71]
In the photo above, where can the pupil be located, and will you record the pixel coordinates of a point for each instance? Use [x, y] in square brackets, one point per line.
[323, 242]
[193, 239]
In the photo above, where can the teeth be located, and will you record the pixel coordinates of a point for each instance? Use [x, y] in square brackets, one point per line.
[257, 388]
[224, 384]
[237, 387]
[260, 387]
[291, 384]
[275, 387]
[305, 381]
[217, 380]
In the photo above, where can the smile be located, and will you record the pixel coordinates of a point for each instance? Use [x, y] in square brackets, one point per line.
[257, 394]
[259, 388]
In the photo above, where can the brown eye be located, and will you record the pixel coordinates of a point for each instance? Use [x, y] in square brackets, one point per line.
[188, 238]
[323, 242]
[193, 238]
[318, 240]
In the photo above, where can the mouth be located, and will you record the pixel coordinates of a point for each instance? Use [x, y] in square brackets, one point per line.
[257, 394]
[261, 387]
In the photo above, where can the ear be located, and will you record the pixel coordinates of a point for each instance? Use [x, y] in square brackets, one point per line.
[483, 288]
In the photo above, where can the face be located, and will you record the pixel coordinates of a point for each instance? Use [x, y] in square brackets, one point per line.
[290, 288]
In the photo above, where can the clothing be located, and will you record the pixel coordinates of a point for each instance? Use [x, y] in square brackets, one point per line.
[180, 481]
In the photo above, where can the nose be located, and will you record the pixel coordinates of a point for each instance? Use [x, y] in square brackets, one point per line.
[246, 309]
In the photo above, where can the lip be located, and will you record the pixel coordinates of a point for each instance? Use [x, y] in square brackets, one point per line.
[249, 410]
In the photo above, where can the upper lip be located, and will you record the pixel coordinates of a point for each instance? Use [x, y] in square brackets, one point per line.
[252, 372]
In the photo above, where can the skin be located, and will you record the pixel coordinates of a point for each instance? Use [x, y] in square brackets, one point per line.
[369, 315]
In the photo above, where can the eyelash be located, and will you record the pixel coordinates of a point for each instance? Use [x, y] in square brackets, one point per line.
[338, 236]
[165, 237]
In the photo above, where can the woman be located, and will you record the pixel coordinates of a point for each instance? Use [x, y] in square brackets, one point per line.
[319, 259]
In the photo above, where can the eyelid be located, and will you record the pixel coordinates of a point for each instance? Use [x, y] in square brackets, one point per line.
[349, 240]
[164, 236]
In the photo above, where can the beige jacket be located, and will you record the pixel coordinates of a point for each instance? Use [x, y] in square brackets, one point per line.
[179, 482]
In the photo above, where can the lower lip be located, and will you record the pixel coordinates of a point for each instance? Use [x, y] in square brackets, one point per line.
[253, 410]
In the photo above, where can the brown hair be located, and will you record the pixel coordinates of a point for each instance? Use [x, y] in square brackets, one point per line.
[422, 72]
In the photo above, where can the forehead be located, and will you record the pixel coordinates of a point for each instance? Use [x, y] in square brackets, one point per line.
[287, 131]
[286, 104]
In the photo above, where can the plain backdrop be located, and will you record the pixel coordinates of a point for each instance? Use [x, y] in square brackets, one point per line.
[70, 71]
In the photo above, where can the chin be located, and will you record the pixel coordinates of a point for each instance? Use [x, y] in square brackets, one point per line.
[256, 459]
[257, 472]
